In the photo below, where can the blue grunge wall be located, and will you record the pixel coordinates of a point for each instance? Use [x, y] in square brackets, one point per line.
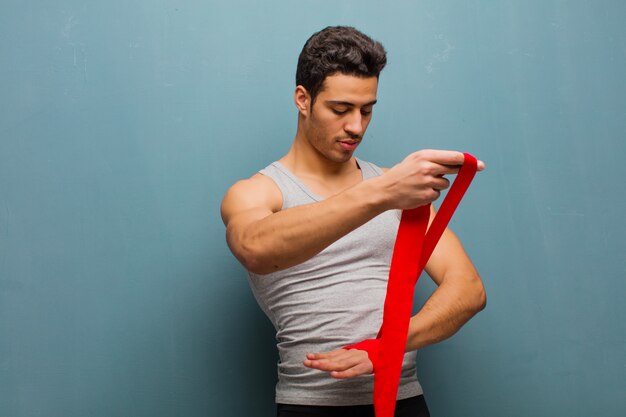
[123, 123]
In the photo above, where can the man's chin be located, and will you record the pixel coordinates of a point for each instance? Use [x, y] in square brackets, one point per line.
[342, 157]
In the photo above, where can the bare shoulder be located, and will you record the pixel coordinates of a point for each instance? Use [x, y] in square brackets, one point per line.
[258, 193]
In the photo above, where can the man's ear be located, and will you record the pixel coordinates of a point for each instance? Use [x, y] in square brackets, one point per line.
[302, 99]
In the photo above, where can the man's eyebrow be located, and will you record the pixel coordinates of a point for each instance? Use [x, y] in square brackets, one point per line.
[347, 103]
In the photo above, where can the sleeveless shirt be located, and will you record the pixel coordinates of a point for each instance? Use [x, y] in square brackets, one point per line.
[329, 301]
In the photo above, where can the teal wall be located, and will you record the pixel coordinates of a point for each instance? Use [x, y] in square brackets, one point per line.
[123, 123]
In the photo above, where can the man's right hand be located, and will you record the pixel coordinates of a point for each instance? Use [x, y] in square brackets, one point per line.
[419, 178]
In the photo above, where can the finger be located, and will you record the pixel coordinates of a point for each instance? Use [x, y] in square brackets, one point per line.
[450, 158]
[358, 370]
[326, 355]
[454, 169]
[326, 365]
[450, 169]
[331, 365]
[440, 183]
[339, 363]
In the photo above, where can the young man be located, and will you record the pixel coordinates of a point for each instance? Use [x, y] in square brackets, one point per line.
[316, 229]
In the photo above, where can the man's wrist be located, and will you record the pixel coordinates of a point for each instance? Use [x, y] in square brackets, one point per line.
[373, 195]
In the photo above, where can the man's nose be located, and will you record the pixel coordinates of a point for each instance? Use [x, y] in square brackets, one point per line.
[354, 124]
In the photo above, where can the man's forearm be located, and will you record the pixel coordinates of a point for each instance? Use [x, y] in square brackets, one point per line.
[445, 312]
[290, 237]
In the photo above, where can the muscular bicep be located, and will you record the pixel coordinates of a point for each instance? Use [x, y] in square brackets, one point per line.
[245, 203]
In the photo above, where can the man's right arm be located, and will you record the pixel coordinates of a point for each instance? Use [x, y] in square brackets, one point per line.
[266, 239]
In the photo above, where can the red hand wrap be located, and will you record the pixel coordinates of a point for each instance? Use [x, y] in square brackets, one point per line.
[371, 346]
[412, 249]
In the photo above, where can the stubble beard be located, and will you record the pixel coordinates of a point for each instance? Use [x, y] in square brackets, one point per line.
[329, 148]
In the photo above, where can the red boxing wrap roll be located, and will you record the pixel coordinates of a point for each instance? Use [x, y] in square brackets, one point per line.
[413, 247]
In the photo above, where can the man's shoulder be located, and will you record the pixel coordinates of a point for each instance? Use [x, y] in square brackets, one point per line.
[255, 191]
[256, 184]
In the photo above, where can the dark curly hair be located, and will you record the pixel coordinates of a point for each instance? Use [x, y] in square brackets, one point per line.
[338, 49]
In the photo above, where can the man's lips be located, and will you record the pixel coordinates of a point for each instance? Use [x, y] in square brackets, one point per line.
[350, 140]
[349, 144]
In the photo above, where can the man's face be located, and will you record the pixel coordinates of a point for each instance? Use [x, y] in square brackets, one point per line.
[340, 115]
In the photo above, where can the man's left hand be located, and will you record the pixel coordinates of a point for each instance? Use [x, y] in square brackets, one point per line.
[341, 363]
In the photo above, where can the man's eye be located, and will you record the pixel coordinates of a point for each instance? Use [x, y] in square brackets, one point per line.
[340, 112]
[366, 112]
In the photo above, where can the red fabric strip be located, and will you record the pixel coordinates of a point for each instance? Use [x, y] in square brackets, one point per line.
[412, 249]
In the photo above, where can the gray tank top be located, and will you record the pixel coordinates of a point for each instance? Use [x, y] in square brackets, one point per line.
[332, 300]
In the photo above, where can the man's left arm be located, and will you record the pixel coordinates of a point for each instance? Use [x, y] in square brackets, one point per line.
[459, 296]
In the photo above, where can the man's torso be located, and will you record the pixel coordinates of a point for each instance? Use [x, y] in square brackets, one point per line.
[332, 300]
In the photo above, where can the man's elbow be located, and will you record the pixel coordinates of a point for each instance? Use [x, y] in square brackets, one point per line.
[247, 251]
[251, 259]
[254, 259]
[479, 299]
[257, 265]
